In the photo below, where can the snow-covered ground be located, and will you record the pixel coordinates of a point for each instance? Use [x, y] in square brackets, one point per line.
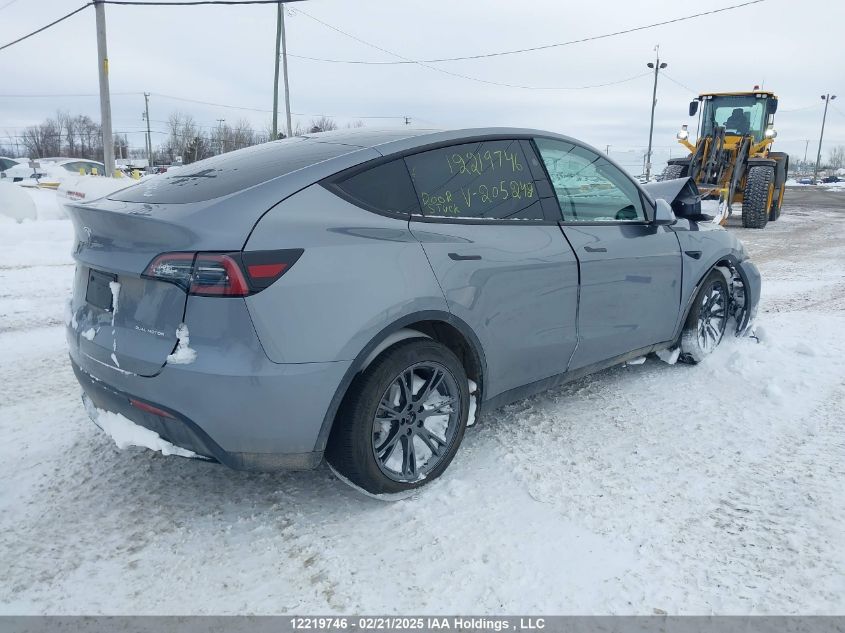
[708, 489]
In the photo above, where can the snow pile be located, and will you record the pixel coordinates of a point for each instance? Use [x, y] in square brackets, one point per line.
[184, 354]
[126, 433]
[16, 203]
[28, 203]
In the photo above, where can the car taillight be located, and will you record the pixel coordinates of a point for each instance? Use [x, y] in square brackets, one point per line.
[223, 274]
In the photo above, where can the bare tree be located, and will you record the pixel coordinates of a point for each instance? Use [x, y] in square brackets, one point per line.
[323, 124]
[837, 157]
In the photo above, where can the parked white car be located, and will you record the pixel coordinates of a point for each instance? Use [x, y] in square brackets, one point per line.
[6, 164]
[51, 171]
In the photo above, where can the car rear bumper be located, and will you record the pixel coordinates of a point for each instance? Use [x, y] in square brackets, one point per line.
[261, 416]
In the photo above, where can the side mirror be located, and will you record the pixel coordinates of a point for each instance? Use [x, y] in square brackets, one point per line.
[693, 107]
[663, 214]
[773, 106]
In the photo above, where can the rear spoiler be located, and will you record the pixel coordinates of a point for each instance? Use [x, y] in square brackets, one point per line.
[682, 194]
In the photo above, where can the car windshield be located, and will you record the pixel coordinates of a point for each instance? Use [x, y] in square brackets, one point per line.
[738, 114]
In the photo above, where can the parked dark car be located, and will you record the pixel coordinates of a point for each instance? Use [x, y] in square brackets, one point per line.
[356, 294]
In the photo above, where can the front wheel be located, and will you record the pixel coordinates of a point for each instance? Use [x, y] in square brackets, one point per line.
[403, 419]
[707, 320]
[758, 195]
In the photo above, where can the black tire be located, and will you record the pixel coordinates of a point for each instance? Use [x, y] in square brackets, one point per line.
[693, 348]
[351, 447]
[781, 170]
[755, 201]
[674, 171]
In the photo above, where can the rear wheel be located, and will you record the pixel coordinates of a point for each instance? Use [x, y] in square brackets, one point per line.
[707, 321]
[757, 199]
[674, 171]
[403, 419]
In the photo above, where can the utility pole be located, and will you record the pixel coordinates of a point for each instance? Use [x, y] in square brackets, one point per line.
[220, 132]
[607, 150]
[149, 137]
[827, 99]
[281, 52]
[806, 147]
[105, 99]
[657, 67]
[407, 120]
[289, 132]
[279, 11]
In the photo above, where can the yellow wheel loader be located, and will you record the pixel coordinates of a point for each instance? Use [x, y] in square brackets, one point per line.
[731, 160]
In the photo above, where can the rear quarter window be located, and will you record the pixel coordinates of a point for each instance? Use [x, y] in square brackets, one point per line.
[385, 188]
[232, 172]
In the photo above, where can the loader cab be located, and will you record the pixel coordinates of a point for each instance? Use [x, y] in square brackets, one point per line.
[741, 114]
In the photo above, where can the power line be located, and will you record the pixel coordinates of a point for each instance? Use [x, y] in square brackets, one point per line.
[461, 75]
[675, 81]
[53, 96]
[808, 107]
[187, 100]
[189, 3]
[524, 50]
[234, 107]
[8, 4]
[44, 28]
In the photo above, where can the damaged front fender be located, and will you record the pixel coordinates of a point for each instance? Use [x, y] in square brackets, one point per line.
[747, 297]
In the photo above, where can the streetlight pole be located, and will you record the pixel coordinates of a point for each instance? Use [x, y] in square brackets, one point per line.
[657, 65]
[827, 99]
[105, 98]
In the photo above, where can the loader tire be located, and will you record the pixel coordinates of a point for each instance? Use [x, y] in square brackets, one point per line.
[757, 199]
[780, 183]
[674, 171]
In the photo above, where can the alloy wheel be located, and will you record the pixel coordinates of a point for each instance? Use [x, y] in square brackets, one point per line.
[416, 422]
[712, 317]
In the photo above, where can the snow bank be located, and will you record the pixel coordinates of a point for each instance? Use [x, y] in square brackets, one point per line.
[16, 203]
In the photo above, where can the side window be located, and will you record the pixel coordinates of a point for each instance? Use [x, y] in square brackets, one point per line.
[385, 188]
[484, 180]
[588, 187]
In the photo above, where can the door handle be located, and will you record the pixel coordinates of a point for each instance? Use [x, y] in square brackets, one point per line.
[693, 254]
[461, 258]
[597, 249]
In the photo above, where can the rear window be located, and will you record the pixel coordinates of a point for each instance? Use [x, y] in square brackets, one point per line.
[228, 173]
[386, 188]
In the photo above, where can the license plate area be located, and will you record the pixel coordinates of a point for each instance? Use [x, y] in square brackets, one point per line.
[99, 293]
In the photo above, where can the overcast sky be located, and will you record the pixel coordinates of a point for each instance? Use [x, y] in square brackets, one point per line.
[225, 55]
